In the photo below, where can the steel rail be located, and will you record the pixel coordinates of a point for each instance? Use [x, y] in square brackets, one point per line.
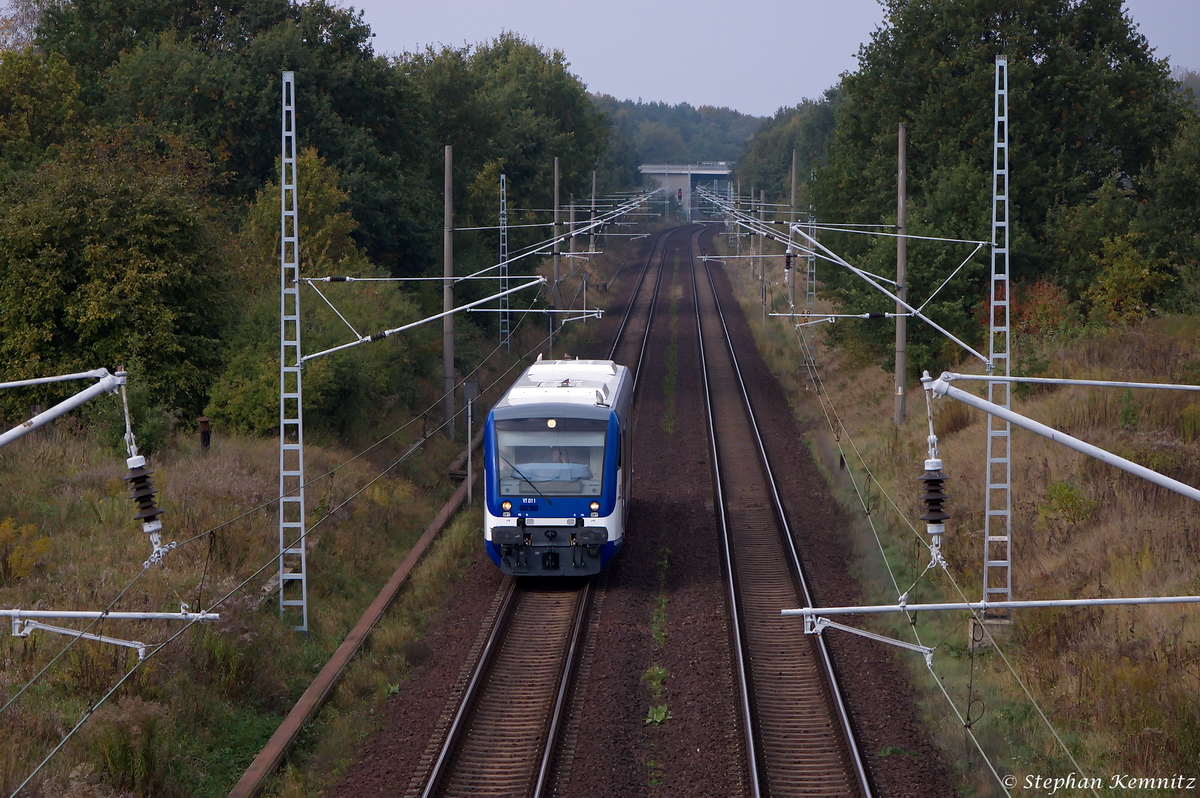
[796, 567]
[743, 667]
[643, 297]
[560, 701]
[659, 248]
[469, 695]
[476, 722]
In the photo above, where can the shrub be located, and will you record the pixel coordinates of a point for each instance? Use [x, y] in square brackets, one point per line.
[21, 550]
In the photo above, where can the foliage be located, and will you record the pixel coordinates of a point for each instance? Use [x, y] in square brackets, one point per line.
[196, 89]
[1041, 308]
[37, 106]
[766, 159]
[658, 715]
[18, 23]
[1189, 81]
[1089, 104]
[128, 740]
[110, 256]
[1127, 283]
[662, 133]
[1065, 501]
[341, 390]
[21, 550]
[223, 89]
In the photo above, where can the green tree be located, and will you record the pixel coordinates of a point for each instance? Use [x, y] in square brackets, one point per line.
[93, 34]
[110, 256]
[341, 391]
[766, 159]
[213, 74]
[1087, 100]
[37, 107]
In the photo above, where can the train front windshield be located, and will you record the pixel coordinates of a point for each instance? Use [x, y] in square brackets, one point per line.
[550, 456]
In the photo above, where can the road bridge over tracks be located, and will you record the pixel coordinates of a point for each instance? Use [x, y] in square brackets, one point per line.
[679, 179]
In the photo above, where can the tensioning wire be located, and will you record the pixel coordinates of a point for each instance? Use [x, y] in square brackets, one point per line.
[945, 568]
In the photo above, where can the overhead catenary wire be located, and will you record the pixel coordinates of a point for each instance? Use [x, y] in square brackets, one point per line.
[155, 648]
[944, 566]
[823, 394]
[827, 408]
[274, 501]
[267, 504]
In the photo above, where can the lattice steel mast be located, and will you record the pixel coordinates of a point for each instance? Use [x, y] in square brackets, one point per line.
[997, 523]
[505, 318]
[293, 561]
[810, 290]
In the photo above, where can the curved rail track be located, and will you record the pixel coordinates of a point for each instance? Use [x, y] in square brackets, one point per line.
[798, 733]
[504, 736]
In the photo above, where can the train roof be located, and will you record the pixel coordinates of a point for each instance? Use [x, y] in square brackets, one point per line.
[582, 388]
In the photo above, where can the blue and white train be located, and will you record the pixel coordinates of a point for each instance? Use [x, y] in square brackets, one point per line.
[557, 468]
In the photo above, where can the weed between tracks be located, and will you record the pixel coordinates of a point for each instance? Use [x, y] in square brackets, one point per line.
[194, 716]
[656, 675]
[1118, 683]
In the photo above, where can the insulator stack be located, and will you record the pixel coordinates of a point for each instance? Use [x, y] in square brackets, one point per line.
[934, 500]
[788, 257]
[142, 491]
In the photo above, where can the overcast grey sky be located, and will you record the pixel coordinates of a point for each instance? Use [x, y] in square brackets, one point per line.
[750, 56]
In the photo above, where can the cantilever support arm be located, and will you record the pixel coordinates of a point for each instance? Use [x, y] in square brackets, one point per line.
[379, 336]
[109, 383]
[942, 387]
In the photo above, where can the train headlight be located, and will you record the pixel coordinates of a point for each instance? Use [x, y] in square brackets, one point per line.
[594, 507]
[506, 506]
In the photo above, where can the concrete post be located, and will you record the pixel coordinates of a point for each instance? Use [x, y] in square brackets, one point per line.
[448, 297]
[901, 276]
[762, 264]
[555, 296]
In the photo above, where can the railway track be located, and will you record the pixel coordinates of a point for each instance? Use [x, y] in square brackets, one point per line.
[798, 733]
[501, 742]
[505, 735]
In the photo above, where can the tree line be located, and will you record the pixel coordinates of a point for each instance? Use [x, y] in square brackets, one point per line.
[1105, 188]
[139, 146]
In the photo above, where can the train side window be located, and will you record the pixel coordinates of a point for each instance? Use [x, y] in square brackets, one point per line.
[621, 449]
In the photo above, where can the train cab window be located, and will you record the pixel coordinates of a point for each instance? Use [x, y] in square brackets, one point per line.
[564, 460]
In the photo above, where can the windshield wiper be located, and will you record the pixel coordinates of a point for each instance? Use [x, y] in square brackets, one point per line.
[517, 471]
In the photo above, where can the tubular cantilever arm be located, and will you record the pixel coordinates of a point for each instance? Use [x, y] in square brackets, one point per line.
[109, 383]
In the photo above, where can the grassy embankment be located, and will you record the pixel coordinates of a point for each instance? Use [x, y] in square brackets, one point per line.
[194, 714]
[1118, 685]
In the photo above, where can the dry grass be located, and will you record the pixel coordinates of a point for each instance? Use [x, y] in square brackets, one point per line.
[1118, 684]
[198, 711]
[217, 691]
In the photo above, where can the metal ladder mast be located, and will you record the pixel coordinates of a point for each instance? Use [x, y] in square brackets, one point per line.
[810, 290]
[505, 330]
[293, 562]
[732, 227]
[997, 523]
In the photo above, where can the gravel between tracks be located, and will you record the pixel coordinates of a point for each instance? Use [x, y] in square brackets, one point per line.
[875, 685]
[698, 751]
